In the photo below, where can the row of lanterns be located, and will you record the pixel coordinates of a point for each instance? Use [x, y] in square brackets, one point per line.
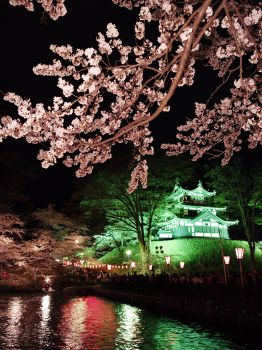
[84, 263]
[168, 261]
[239, 255]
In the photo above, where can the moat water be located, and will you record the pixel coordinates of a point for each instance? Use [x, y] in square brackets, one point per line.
[58, 322]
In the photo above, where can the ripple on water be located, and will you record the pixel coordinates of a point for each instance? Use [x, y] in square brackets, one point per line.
[54, 322]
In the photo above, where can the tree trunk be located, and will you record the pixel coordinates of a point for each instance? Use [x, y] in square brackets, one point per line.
[144, 256]
[246, 220]
[252, 248]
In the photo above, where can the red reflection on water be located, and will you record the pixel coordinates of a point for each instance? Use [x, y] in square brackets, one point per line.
[88, 323]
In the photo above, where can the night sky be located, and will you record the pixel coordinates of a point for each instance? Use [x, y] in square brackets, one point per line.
[25, 40]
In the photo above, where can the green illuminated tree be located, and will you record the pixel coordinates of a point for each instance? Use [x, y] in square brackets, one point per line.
[132, 214]
[115, 236]
[240, 188]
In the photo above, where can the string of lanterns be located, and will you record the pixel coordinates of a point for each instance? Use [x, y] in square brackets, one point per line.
[109, 267]
[88, 265]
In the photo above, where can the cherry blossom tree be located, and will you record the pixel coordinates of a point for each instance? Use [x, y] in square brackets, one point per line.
[58, 234]
[111, 93]
[41, 247]
[11, 235]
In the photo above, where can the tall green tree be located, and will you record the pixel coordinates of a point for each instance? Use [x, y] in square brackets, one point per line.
[239, 186]
[117, 236]
[134, 213]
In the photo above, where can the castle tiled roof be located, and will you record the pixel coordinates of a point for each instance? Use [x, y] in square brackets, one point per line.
[199, 191]
[209, 215]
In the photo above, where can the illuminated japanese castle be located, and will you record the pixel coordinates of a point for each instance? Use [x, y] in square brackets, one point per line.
[190, 214]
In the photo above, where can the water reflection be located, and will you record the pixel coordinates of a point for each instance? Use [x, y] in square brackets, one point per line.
[88, 323]
[56, 322]
[72, 324]
[44, 330]
[13, 328]
[129, 327]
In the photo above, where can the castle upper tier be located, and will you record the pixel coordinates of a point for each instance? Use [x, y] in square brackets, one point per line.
[189, 213]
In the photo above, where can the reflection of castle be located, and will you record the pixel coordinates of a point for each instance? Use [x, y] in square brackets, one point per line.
[192, 215]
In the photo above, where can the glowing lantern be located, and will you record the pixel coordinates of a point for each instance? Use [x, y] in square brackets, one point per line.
[168, 259]
[182, 264]
[133, 264]
[128, 252]
[150, 267]
[227, 260]
[239, 253]
[109, 267]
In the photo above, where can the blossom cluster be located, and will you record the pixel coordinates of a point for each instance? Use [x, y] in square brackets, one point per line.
[54, 8]
[217, 131]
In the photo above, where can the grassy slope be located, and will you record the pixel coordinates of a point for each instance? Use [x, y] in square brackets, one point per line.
[198, 254]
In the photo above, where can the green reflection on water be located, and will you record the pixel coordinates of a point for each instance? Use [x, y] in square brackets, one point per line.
[141, 330]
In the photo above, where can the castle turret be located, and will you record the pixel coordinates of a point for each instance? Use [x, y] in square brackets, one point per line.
[193, 215]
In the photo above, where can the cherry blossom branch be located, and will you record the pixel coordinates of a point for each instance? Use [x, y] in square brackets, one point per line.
[243, 22]
[181, 68]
